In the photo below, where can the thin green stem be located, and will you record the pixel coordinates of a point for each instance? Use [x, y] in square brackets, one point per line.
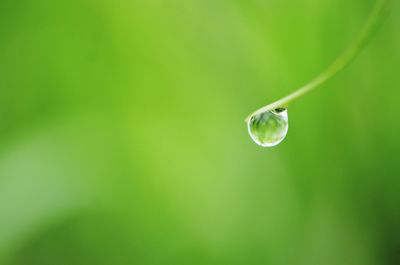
[377, 15]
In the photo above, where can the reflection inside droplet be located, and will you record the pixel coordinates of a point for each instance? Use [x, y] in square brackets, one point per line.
[269, 128]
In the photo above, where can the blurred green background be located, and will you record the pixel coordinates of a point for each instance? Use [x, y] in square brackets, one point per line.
[122, 138]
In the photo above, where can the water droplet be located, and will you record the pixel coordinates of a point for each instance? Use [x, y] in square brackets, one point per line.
[269, 128]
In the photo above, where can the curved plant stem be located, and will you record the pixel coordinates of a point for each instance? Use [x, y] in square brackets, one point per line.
[376, 17]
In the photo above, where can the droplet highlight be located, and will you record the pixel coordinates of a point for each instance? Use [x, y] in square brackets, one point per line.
[269, 128]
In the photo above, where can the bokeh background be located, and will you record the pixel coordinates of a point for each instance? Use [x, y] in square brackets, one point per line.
[122, 138]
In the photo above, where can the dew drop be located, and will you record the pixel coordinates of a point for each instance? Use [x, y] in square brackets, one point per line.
[269, 128]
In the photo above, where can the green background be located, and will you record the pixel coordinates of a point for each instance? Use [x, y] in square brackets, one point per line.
[122, 138]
